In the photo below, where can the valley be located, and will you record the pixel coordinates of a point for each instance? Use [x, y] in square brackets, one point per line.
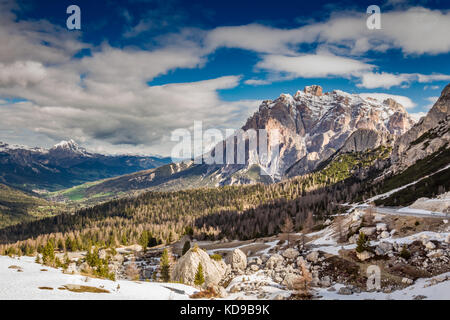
[375, 195]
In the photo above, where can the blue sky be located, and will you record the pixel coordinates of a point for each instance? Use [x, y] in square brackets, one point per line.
[137, 70]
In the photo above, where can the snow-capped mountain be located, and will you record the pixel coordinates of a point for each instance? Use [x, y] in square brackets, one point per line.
[427, 136]
[64, 165]
[69, 147]
[313, 125]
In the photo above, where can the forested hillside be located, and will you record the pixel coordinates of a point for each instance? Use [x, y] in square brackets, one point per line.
[17, 206]
[205, 212]
[237, 212]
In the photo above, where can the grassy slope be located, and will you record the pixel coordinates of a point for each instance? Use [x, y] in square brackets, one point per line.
[92, 193]
[17, 206]
[344, 165]
[429, 187]
[421, 168]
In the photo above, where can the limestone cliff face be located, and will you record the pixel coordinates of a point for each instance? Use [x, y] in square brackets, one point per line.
[365, 139]
[426, 136]
[314, 125]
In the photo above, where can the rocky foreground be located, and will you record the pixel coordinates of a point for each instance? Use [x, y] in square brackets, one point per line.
[412, 254]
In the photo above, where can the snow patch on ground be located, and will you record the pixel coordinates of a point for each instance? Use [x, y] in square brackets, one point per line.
[25, 285]
[387, 194]
[421, 287]
[271, 289]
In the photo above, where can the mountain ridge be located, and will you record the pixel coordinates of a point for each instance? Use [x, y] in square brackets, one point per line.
[293, 117]
[65, 165]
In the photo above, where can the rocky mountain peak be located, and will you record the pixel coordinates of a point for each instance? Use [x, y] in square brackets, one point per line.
[394, 105]
[442, 106]
[313, 125]
[407, 148]
[314, 90]
[69, 146]
[446, 92]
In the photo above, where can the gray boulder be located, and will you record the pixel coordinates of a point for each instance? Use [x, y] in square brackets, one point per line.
[313, 256]
[186, 268]
[345, 291]
[236, 259]
[368, 231]
[275, 260]
[290, 280]
[291, 254]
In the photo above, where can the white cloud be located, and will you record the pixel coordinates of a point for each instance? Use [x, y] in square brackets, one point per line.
[431, 87]
[416, 116]
[257, 38]
[313, 65]
[383, 80]
[386, 80]
[404, 101]
[433, 99]
[127, 65]
[103, 100]
[34, 40]
[414, 31]
[422, 78]
[139, 121]
[256, 82]
[21, 73]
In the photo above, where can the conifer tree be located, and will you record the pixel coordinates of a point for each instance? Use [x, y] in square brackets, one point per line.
[199, 277]
[165, 266]
[363, 243]
[48, 255]
[144, 240]
[186, 247]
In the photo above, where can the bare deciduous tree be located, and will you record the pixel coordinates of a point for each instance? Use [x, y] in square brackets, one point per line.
[287, 228]
[309, 223]
[132, 271]
[303, 285]
[369, 215]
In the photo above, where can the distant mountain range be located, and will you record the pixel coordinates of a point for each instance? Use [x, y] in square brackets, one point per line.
[315, 127]
[326, 138]
[371, 165]
[65, 165]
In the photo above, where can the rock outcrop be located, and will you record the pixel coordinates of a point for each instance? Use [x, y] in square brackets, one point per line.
[312, 126]
[291, 253]
[440, 204]
[365, 139]
[425, 137]
[186, 268]
[236, 259]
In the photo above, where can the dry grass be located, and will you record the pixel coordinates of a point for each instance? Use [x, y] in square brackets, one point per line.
[205, 294]
[407, 226]
[81, 289]
[303, 285]
[46, 288]
[14, 267]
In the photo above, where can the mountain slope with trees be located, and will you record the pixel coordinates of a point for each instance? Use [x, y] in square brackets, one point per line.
[17, 206]
[65, 165]
[241, 212]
